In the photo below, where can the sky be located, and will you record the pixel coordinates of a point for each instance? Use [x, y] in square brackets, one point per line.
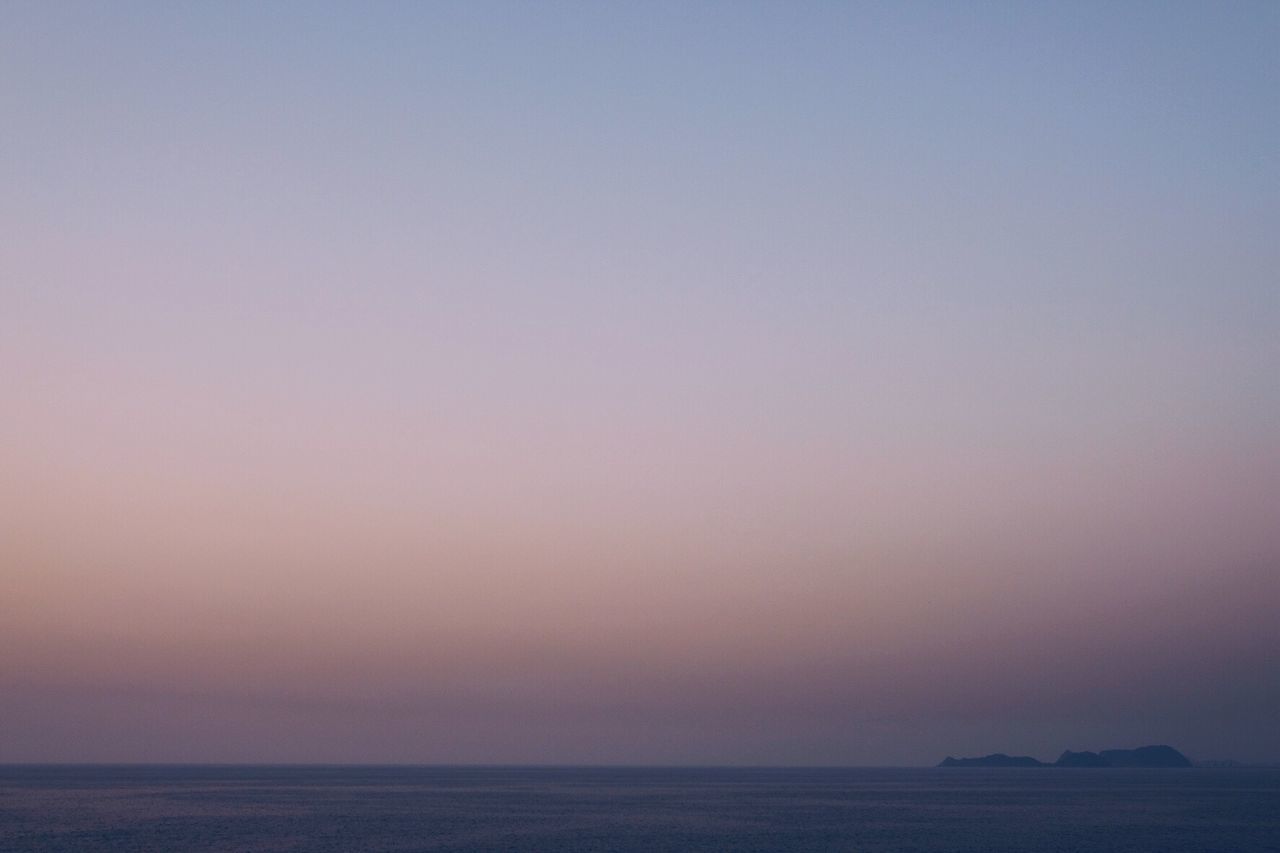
[650, 383]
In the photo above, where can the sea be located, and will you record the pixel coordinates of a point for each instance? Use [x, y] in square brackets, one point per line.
[176, 809]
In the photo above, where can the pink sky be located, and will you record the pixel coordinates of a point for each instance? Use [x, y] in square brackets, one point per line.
[831, 388]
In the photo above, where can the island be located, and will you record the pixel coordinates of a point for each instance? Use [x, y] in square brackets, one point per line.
[998, 759]
[1158, 755]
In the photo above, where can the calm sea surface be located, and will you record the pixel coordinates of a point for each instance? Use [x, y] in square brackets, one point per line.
[171, 809]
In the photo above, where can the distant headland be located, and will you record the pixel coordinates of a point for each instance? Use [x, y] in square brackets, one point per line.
[1144, 756]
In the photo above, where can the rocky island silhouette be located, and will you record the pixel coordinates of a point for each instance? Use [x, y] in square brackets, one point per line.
[1159, 755]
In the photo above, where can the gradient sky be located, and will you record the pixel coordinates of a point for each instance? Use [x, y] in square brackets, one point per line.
[679, 383]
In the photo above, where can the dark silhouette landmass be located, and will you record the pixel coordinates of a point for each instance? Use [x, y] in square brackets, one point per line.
[1145, 756]
[1080, 759]
[998, 759]
[1159, 755]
